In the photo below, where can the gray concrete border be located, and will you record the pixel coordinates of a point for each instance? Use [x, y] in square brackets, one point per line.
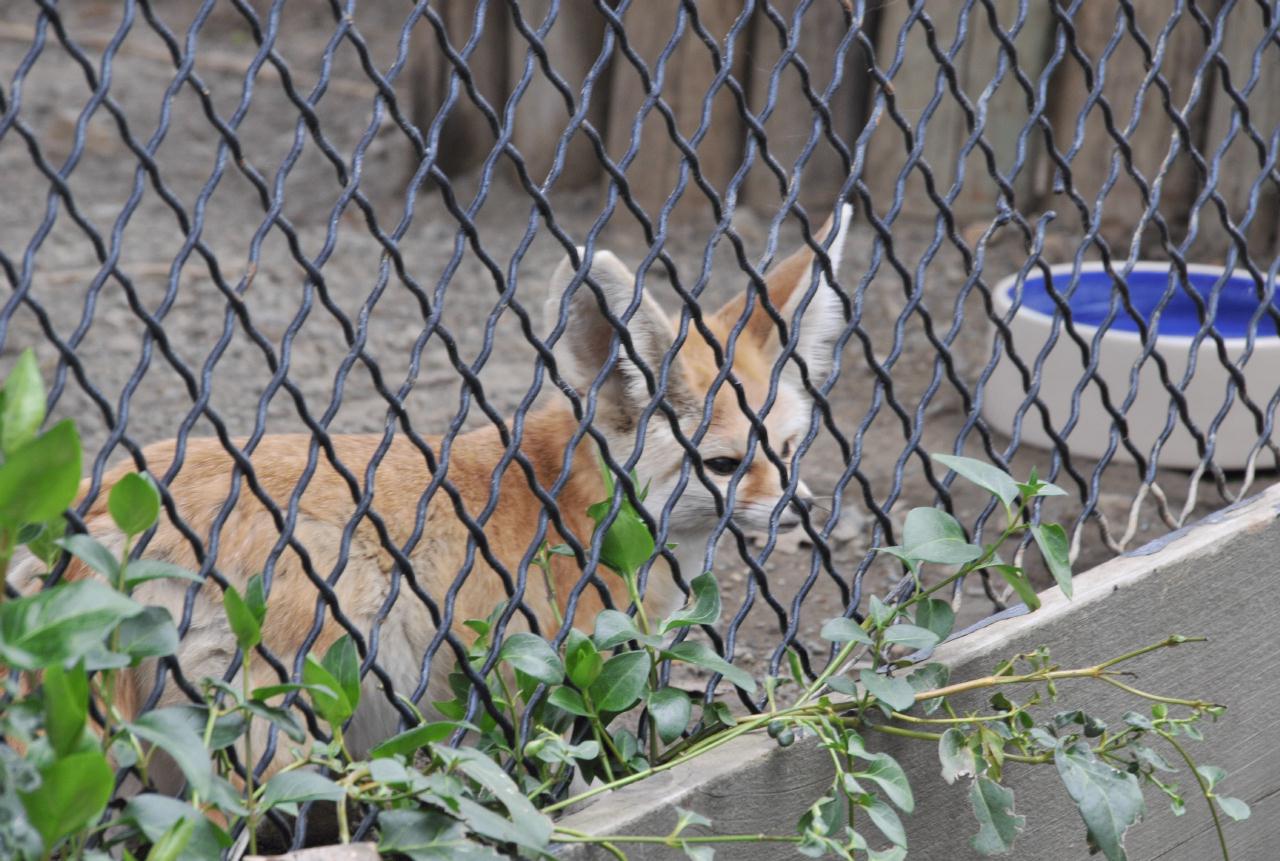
[1216, 578]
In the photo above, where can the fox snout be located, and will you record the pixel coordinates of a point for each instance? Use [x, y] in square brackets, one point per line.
[800, 505]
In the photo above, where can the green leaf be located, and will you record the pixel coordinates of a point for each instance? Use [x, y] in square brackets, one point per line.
[1212, 774]
[92, 553]
[614, 628]
[255, 597]
[703, 607]
[533, 656]
[685, 818]
[1138, 721]
[412, 740]
[1233, 807]
[937, 616]
[1017, 580]
[911, 636]
[142, 570]
[73, 792]
[227, 728]
[1056, 549]
[425, 835]
[884, 771]
[932, 535]
[40, 480]
[843, 685]
[998, 826]
[881, 613]
[66, 707]
[569, 700]
[527, 827]
[134, 504]
[43, 543]
[21, 403]
[1109, 801]
[822, 817]
[627, 543]
[1033, 487]
[956, 756]
[621, 681]
[885, 818]
[895, 692]
[173, 843]
[1151, 758]
[343, 663]
[842, 630]
[282, 718]
[169, 730]
[154, 815]
[930, 677]
[266, 692]
[243, 624]
[582, 661]
[893, 853]
[671, 710]
[704, 656]
[150, 634]
[293, 787]
[327, 695]
[62, 624]
[986, 476]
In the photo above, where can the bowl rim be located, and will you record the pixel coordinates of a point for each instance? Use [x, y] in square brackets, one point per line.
[1002, 300]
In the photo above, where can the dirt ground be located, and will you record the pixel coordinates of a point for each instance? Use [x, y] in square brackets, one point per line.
[38, 235]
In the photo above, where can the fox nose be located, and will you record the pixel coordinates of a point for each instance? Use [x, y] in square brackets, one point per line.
[792, 514]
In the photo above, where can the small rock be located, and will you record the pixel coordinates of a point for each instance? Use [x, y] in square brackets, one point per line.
[852, 524]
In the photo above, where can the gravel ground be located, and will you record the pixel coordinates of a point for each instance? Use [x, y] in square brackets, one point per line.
[110, 335]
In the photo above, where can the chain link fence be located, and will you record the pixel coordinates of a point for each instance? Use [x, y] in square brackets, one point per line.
[235, 219]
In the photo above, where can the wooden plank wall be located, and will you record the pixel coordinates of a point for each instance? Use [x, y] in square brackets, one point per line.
[944, 56]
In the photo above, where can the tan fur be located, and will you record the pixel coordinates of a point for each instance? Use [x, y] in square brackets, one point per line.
[201, 487]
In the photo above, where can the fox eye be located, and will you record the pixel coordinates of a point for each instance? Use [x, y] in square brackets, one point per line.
[722, 465]
[786, 449]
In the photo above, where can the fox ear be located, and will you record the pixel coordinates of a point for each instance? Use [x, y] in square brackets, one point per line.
[584, 345]
[823, 318]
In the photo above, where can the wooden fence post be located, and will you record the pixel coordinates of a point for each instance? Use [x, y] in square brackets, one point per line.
[947, 130]
[573, 44]
[686, 80]
[1241, 165]
[467, 137]
[821, 30]
[1125, 70]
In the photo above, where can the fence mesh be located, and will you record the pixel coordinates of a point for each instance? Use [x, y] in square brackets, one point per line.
[229, 219]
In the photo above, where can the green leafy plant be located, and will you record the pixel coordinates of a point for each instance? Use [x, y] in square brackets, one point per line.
[594, 704]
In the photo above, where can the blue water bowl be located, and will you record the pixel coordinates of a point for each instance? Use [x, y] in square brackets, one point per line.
[1228, 300]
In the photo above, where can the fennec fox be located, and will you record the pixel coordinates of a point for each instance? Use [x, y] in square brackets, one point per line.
[249, 533]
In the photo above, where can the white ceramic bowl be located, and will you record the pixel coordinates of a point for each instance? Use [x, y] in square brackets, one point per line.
[1237, 310]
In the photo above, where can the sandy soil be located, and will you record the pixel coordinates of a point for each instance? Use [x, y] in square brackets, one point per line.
[37, 233]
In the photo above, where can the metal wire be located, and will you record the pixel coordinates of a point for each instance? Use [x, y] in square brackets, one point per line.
[863, 347]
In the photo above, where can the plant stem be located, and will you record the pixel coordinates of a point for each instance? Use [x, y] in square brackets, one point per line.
[953, 720]
[6, 556]
[1166, 643]
[543, 561]
[249, 760]
[1174, 701]
[602, 739]
[937, 736]
[1204, 790]
[633, 590]
[566, 835]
